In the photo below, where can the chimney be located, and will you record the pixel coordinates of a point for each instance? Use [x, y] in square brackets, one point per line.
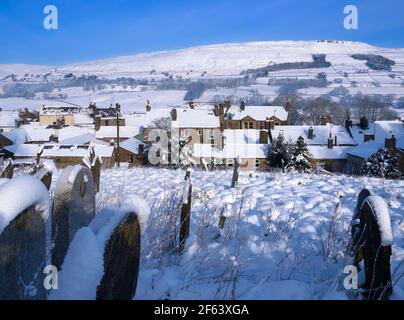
[148, 106]
[336, 140]
[263, 137]
[97, 122]
[242, 106]
[191, 104]
[364, 123]
[310, 134]
[348, 123]
[368, 137]
[390, 143]
[330, 142]
[174, 114]
[54, 138]
[141, 148]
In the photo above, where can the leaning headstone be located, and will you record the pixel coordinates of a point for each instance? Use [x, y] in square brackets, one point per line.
[7, 170]
[121, 261]
[73, 208]
[185, 211]
[372, 242]
[46, 177]
[24, 208]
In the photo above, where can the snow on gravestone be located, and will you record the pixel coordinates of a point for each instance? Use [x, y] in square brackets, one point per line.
[372, 241]
[23, 238]
[46, 177]
[73, 208]
[103, 259]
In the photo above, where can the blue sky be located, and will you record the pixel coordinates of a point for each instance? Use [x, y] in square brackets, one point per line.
[94, 29]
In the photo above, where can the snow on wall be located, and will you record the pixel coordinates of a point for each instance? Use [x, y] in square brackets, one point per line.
[19, 194]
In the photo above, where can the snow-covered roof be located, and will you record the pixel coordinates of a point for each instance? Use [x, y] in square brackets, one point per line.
[40, 133]
[365, 150]
[8, 118]
[16, 136]
[155, 114]
[324, 153]
[135, 120]
[381, 130]
[57, 150]
[24, 150]
[241, 136]
[195, 118]
[131, 145]
[83, 119]
[259, 113]
[79, 140]
[320, 137]
[110, 132]
[244, 151]
[59, 110]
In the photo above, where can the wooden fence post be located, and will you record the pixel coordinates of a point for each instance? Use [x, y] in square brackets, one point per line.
[185, 211]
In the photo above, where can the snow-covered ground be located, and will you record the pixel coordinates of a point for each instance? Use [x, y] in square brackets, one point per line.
[276, 243]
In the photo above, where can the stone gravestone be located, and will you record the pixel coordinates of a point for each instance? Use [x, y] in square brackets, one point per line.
[121, 261]
[7, 170]
[46, 177]
[185, 211]
[73, 208]
[372, 243]
[23, 240]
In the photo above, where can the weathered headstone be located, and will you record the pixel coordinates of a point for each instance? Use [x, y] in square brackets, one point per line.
[7, 170]
[185, 211]
[372, 240]
[46, 177]
[121, 262]
[23, 240]
[73, 208]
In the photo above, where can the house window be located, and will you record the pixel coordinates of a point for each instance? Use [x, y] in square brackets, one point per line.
[230, 162]
[200, 132]
[211, 135]
[245, 125]
[130, 158]
[185, 133]
[106, 122]
[250, 125]
[257, 163]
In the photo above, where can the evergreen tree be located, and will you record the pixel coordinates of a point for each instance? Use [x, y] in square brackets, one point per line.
[383, 164]
[279, 153]
[301, 157]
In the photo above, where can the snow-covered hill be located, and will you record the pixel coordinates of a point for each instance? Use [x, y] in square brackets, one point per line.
[220, 61]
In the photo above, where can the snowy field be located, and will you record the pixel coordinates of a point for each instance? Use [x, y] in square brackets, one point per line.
[276, 243]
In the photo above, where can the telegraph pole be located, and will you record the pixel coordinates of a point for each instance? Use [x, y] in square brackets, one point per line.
[117, 137]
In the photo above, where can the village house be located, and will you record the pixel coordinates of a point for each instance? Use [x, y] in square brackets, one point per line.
[110, 134]
[51, 115]
[132, 151]
[327, 143]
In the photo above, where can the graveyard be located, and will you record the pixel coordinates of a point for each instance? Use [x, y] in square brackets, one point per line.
[171, 234]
